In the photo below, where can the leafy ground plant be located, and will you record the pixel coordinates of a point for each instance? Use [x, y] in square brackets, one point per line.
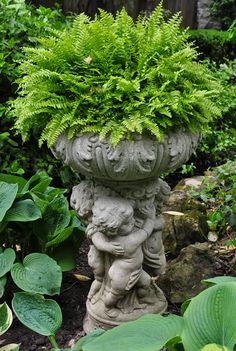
[38, 274]
[36, 217]
[208, 323]
[115, 76]
[218, 191]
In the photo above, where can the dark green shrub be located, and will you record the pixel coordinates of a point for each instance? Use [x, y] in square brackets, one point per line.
[215, 45]
[224, 11]
[20, 26]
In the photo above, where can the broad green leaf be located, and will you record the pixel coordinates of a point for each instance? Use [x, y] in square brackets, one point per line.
[5, 318]
[3, 281]
[7, 258]
[38, 314]
[65, 255]
[55, 218]
[211, 318]
[23, 211]
[62, 236]
[86, 339]
[215, 347]
[39, 273]
[7, 196]
[38, 182]
[10, 347]
[148, 333]
[219, 280]
[13, 179]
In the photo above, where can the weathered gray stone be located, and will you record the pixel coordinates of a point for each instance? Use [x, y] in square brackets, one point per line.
[121, 202]
[204, 18]
[185, 220]
[183, 276]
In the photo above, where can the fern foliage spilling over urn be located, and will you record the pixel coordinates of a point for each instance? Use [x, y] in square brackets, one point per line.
[120, 102]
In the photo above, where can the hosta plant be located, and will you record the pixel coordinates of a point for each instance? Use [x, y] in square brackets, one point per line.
[115, 76]
[6, 319]
[36, 217]
[207, 324]
[38, 274]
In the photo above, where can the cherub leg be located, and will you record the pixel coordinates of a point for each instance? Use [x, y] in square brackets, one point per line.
[95, 260]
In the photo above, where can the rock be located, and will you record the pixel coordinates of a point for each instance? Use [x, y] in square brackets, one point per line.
[204, 18]
[189, 225]
[183, 276]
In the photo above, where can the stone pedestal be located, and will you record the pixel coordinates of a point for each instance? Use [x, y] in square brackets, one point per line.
[120, 202]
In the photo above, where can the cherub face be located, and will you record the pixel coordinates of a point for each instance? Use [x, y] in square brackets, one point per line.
[127, 226]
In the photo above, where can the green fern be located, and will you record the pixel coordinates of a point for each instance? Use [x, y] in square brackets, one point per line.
[115, 77]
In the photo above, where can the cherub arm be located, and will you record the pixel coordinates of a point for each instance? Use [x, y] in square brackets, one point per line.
[102, 244]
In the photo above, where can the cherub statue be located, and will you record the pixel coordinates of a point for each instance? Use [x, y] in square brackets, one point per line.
[116, 254]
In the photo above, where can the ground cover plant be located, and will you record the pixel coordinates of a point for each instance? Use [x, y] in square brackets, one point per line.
[207, 323]
[116, 77]
[218, 191]
[36, 218]
[38, 274]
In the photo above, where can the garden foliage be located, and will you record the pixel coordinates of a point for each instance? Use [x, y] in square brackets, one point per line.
[116, 77]
[38, 274]
[224, 11]
[36, 217]
[21, 25]
[214, 45]
[218, 191]
[208, 323]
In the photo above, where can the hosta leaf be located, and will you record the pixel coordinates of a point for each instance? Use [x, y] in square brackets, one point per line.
[3, 281]
[38, 314]
[7, 196]
[10, 347]
[215, 347]
[65, 255]
[5, 318]
[86, 339]
[39, 273]
[62, 236]
[148, 333]
[7, 258]
[211, 318]
[38, 182]
[23, 211]
[219, 280]
[55, 218]
[13, 179]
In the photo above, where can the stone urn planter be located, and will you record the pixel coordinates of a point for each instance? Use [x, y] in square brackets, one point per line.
[120, 201]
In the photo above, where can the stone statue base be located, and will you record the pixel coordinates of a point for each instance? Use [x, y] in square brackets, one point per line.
[97, 317]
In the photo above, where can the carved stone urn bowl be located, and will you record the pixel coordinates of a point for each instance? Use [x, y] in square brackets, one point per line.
[120, 201]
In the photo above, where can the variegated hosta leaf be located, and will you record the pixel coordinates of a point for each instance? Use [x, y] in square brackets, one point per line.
[7, 258]
[38, 314]
[5, 318]
[10, 347]
[39, 273]
[3, 281]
